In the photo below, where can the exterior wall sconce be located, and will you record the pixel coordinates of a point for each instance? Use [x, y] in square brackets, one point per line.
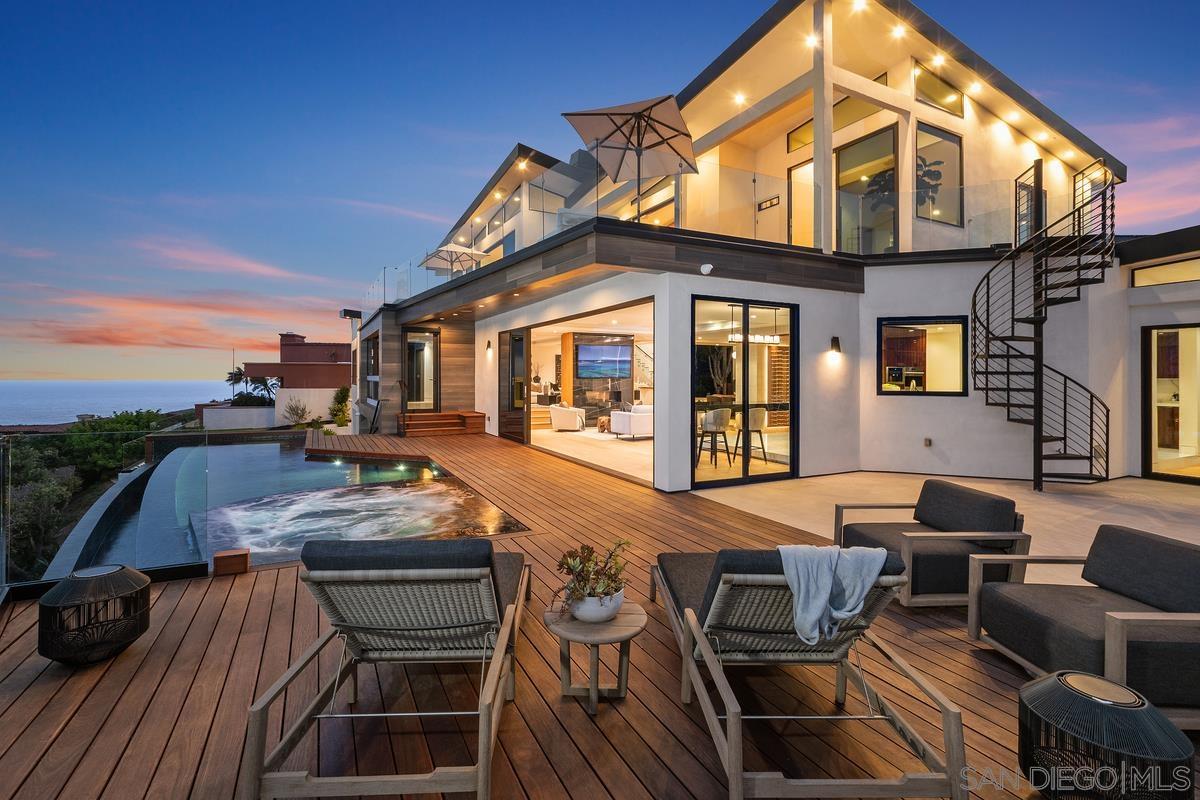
[489, 347]
[835, 344]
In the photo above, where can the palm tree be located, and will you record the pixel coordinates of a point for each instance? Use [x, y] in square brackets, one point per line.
[234, 377]
[264, 386]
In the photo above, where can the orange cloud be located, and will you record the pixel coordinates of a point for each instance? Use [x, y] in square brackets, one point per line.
[199, 256]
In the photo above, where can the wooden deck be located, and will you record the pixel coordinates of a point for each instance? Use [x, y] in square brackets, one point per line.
[167, 717]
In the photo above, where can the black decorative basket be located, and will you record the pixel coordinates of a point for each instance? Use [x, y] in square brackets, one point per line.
[93, 614]
[1082, 736]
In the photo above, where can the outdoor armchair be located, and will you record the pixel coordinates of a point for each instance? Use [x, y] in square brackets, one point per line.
[400, 601]
[734, 608]
[1137, 623]
[950, 524]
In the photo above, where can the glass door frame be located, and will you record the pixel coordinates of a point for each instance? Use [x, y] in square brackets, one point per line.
[504, 383]
[793, 385]
[1148, 404]
[437, 367]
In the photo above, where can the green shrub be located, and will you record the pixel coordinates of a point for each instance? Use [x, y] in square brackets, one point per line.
[339, 409]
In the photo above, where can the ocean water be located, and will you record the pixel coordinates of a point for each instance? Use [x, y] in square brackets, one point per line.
[41, 402]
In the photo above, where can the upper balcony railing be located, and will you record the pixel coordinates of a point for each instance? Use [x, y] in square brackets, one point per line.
[869, 217]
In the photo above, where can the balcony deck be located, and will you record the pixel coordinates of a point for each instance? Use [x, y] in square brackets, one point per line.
[167, 717]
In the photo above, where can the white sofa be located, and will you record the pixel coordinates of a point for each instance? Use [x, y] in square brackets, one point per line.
[637, 422]
[566, 418]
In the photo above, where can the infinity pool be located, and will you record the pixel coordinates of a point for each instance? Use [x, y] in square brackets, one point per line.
[271, 498]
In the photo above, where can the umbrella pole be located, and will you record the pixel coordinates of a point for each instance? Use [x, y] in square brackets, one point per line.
[638, 188]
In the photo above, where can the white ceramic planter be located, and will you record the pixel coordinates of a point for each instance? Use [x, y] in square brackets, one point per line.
[597, 609]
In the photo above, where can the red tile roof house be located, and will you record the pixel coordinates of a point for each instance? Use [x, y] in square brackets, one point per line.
[310, 371]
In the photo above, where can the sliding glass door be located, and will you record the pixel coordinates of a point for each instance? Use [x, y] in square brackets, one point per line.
[743, 411]
[513, 416]
[1171, 403]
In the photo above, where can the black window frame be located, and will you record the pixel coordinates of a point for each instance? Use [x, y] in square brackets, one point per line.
[894, 128]
[900, 322]
[962, 176]
[962, 97]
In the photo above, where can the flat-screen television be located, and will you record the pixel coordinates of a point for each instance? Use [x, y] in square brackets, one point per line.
[603, 361]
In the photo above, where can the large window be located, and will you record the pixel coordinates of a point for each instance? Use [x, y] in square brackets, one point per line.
[922, 355]
[866, 201]
[936, 92]
[846, 111]
[938, 180]
[1171, 403]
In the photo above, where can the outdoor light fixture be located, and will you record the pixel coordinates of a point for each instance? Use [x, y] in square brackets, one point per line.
[706, 269]
[938, 60]
[811, 40]
[489, 347]
[1043, 136]
[859, 5]
[975, 88]
[739, 99]
[835, 344]
[898, 32]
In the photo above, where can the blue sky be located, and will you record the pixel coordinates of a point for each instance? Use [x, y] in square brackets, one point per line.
[204, 175]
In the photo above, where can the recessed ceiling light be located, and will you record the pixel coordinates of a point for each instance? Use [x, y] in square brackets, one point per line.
[454, 313]
[481, 305]
[614, 322]
[1069, 154]
[462, 238]
[497, 195]
[975, 88]
[864, 178]
[916, 71]
[811, 40]
[938, 60]
[859, 5]
[521, 164]
[739, 99]
[1012, 116]
[898, 31]
[1042, 136]
[516, 294]
[478, 219]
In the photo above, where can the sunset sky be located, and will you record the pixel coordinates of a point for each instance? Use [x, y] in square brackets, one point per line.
[181, 179]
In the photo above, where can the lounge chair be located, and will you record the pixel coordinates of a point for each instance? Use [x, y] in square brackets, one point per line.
[950, 524]
[443, 601]
[1138, 623]
[735, 608]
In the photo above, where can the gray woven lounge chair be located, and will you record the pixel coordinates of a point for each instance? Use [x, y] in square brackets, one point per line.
[400, 601]
[735, 608]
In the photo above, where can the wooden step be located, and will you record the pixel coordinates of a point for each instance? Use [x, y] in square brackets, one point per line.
[442, 423]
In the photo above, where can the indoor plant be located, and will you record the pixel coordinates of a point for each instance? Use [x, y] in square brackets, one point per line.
[595, 586]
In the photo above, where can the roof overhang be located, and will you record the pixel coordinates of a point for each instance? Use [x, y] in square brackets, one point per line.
[921, 23]
[522, 163]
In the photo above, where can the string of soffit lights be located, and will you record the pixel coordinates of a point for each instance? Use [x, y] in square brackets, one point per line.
[976, 87]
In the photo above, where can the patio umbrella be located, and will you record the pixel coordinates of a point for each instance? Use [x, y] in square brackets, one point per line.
[453, 257]
[648, 138]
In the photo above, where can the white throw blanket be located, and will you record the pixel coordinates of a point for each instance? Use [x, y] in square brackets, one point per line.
[829, 585]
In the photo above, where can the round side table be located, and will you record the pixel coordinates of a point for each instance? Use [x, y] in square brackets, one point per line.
[620, 630]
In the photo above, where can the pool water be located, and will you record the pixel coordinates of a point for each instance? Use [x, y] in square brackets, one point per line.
[271, 498]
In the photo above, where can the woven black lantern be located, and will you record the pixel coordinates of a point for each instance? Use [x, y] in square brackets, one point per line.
[93, 614]
[1082, 736]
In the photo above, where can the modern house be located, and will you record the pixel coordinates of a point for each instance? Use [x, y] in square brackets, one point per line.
[309, 372]
[890, 256]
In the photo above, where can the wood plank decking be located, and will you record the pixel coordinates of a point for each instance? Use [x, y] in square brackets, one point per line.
[167, 717]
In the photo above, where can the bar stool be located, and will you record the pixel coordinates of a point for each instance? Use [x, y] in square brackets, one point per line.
[712, 424]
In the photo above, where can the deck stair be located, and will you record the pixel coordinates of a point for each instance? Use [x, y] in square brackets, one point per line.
[539, 417]
[1050, 266]
[448, 423]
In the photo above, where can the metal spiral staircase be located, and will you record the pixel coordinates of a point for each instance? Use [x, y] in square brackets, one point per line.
[1049, 266]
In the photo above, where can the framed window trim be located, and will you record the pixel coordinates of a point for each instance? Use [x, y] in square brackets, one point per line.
[1170, 262]
[900, 322]
[962, 98]
[962, 210]
[795, 168]
[894, 128]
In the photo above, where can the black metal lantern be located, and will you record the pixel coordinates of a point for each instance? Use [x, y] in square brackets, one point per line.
[93, 614]
[1082, 736]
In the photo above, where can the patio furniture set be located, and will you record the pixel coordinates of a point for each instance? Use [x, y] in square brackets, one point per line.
[460, 601]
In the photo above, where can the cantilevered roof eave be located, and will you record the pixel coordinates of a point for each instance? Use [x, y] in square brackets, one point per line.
[519, 153]
[925, 25]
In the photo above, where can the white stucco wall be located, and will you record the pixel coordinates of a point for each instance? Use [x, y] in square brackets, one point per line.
[239, 417]
[317, 400]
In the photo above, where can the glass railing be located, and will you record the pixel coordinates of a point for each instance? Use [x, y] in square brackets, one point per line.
[718, 199]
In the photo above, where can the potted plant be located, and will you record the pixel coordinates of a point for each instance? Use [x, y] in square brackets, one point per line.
[595, 587]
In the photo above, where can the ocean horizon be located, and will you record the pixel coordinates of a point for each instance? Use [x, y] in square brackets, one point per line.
[47, 402]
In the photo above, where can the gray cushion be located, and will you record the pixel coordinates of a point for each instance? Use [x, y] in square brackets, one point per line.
[693, 578]
[939, 567]
[949, 507]
[1153, 569]
[1062, 627]
[338, 554]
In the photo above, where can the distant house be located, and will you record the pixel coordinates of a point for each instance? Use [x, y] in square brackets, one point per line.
[308, 371]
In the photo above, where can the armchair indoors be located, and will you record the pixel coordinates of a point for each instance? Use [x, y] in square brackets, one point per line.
[951, 524]
[1138, 623]
[566, 418]
[637, 421]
